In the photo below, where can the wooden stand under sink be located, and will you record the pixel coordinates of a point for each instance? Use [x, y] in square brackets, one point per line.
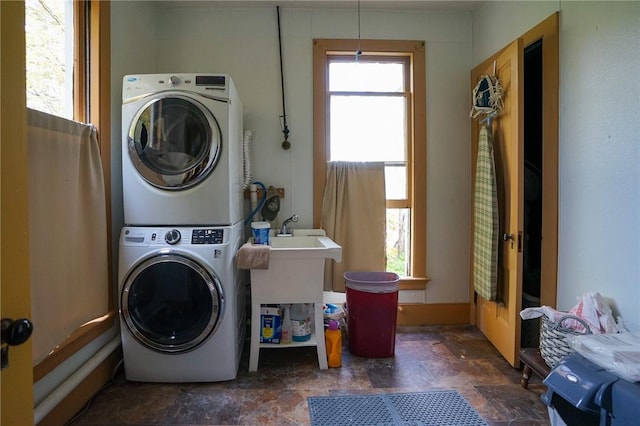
[317, 337]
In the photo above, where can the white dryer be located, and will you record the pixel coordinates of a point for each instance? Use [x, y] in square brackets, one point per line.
[182, 303]
[181, 150]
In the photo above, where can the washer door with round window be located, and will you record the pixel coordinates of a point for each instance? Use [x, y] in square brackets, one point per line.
[174, 142]
[171, 303]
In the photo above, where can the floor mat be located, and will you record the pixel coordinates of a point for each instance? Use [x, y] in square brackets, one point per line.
[416, 408]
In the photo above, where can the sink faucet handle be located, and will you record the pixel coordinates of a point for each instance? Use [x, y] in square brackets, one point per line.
[284, 230]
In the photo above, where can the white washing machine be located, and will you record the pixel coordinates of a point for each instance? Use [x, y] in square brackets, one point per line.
[181, 150]
[182, 303]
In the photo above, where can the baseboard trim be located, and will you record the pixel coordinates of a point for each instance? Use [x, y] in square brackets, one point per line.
[78, 397]
[433, 313]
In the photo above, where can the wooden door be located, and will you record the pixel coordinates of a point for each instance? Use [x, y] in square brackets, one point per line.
[499, 320]
[17, 378]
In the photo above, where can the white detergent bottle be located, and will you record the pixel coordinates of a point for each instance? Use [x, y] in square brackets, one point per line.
[286, 325]
[300, 323]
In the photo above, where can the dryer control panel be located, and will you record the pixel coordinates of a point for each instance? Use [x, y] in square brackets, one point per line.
[135, 86]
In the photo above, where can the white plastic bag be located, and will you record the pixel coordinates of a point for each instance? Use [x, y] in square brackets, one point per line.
[591, 307]
[618, 353]
[595, 310]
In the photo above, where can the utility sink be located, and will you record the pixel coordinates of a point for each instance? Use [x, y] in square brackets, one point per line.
[303, 245]
[296, 267]
[295, 275]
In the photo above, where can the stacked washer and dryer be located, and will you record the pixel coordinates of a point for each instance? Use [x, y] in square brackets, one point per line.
[181, 298]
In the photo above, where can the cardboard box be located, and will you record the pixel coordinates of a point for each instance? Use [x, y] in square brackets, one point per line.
[270, 324]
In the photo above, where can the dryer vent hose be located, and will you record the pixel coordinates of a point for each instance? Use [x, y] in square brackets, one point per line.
[247, 141]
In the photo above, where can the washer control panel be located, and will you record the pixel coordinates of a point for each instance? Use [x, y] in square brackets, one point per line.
[207, 236]
[172, 237]
[158, 237]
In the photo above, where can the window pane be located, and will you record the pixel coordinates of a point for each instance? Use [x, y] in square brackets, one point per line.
[395, 176]
[366, 77]
[398, 245]
[49, 52]
[367, 128]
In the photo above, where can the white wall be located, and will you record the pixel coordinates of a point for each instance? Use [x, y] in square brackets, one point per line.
[599, 206]
[243, 41]
[599, 152]
[133, 50]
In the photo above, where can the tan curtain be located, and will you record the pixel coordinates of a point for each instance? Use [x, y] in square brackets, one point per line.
[354, 216]
[67, 229]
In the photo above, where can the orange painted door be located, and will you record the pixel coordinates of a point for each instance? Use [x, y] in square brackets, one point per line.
[499, 320]
[17, 379]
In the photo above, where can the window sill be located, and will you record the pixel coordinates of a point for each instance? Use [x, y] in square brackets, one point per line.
[413, 283]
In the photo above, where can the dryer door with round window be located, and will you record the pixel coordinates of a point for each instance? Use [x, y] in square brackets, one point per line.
[171, 303]
[174, 142]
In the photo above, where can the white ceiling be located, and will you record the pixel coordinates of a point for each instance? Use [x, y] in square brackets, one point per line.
[456, 5]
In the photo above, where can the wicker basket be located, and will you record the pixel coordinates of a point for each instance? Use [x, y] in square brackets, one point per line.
[553, 343]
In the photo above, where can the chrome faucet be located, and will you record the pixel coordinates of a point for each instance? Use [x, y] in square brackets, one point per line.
[285, 230]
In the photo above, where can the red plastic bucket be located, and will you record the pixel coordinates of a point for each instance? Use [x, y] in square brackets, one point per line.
[372, 308]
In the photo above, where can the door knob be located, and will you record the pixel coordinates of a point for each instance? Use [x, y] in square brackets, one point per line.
[13, 333]
[511, 237]
[508, 237]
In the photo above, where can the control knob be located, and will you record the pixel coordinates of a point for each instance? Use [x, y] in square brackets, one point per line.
[174, 81]
[172, 237]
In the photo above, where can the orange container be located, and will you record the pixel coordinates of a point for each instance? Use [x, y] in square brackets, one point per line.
[333, 343]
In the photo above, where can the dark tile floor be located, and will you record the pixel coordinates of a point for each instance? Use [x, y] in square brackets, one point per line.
[430, 357]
